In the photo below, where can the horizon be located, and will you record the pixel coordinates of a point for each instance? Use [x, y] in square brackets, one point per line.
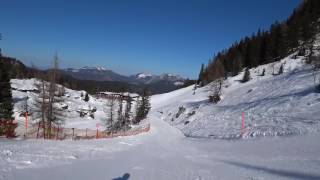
[132, 37]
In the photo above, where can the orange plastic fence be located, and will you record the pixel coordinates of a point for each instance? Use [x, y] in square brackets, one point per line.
[77, 134]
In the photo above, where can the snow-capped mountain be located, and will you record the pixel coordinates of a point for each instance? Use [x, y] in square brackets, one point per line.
[96, 74]
[148, 78]
[103, 74]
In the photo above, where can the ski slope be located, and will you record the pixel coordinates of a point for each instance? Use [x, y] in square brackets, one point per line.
[163, 153]
[166, 153]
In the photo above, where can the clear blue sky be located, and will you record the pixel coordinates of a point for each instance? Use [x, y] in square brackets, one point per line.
[130, 36]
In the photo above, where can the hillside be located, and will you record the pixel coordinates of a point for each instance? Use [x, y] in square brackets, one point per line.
[274, 105]
[165, 153]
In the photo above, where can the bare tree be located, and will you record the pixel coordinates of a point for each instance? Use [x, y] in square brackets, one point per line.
[41, 104]
[54, 114]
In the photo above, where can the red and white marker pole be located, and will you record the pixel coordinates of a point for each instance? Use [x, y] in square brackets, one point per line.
[98, 126]
[242, 123]
[26, 125]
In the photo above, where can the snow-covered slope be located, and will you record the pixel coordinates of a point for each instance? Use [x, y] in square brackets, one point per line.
[73, 104]
[164, 153]
[273, 105]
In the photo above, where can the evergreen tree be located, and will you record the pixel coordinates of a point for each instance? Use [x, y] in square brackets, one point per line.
[142, 107]
[282, 39]
[281, 69]
[86, 97]
[201, 75]
[7, 126]
[246, 76]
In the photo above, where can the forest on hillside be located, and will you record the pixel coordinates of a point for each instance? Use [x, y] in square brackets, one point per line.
[296, 34]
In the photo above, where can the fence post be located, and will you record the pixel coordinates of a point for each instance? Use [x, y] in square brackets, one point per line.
[86, 132]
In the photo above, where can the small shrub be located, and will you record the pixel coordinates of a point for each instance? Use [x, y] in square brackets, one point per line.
[92, 115]
[82, 114]
[214, 98]
[180, 111]
[191, 113]
[7, 128]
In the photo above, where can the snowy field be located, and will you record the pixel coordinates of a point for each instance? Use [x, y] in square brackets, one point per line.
[282, 115]
[162, 154]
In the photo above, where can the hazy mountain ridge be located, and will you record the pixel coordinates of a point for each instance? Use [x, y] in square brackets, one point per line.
[104, 74]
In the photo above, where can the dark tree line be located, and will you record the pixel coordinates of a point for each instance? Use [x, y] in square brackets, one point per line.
[297, 33]
[7, 126]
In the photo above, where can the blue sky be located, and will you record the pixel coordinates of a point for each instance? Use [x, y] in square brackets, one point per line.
[130, 36]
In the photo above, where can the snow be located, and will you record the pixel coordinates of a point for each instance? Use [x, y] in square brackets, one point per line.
[73, 101]
[73, 105]
[285, 101]
[144, 75]
[284, 104]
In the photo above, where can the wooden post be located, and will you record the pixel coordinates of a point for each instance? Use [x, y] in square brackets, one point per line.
[86, 132]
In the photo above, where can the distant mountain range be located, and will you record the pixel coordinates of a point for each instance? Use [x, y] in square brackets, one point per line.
[103, 74]
[93, 79]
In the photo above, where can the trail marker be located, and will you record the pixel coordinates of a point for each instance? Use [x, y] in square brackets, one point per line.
[242, 123]
[26, 125]
[98, 126]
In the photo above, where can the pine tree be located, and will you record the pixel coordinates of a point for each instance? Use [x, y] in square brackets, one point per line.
[7, 126]
[143, 106]
[246, 76]
[86, 97]
[281, 69]
[201, 75]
